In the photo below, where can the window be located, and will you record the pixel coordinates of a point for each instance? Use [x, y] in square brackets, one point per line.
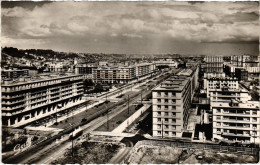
[158, 107]
[173, 120]
[159, 132]
[158, 113]
[173, 94]
[174, 134]
[218, 110]
[166, 107]
[174, 114]
[173, 107]
[226, 111]
[225, 124]
[218, 130]
[166, 120]
[166, 126]
[254, 119]
[254, 112]
[159, 126]
[159, 120]
[158, 100]
[166, 94]
[173, 101]
[158, 93]
[166, 113]
[218, 124]
[166, 132]
[174, 127]
[166, 100]
[254, 126]
[218, 117]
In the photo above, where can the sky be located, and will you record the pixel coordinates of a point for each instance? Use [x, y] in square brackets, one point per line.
[209, 28]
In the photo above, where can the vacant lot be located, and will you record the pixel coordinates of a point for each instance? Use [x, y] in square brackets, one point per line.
[88, 153]
[146, 154]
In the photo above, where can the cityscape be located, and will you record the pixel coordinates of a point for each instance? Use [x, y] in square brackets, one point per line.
[130, 82]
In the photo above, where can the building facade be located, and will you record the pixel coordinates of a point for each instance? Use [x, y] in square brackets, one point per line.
[121, 74]
[214, 64]
[85, 68]
[171, 103]
[236, 121]
[31, 99]
[15, 73]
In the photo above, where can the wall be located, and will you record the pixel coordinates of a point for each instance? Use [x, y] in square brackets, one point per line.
[131, 119]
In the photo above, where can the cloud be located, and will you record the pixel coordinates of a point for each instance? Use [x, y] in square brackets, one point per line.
[86, 21]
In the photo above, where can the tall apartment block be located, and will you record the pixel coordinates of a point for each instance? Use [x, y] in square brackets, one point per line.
[27, 100]
[214, 64]
[235, 117]
[171, 103]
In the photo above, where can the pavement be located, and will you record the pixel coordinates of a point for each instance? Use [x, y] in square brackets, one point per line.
[43, 128]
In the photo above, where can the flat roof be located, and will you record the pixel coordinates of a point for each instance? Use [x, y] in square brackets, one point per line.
[173, 84]
[39, 78]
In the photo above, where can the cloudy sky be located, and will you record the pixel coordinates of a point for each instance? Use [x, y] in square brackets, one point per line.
[210, 28]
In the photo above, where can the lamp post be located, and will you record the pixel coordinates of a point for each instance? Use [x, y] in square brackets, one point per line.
[162, 128]
[141, 96]
[128, 103]
[107, 120]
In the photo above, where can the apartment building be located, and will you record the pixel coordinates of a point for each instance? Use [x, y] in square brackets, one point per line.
[144, 69]
[251, 63]
[236, 121]
[85, 68]
[122, 74]
[29, 99]
[171, 63]
[171, 103]
[113, 75]
[14, 73]
[214, 64]
[211, 83]
[235, 117]
[193, 73]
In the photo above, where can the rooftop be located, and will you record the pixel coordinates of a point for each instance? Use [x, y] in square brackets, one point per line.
[38, 78]
[174, 83]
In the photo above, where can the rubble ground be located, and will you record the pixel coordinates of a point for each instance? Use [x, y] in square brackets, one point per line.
[145, 154]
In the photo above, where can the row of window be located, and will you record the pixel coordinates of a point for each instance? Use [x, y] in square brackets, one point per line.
[166, 133]
[166, 94]
[245, 112]
[166, 114]
[166, 107]
[166, 120]
[225, 124]
[173, 127]
[173, 101]
[237, 132]
[254, 119]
